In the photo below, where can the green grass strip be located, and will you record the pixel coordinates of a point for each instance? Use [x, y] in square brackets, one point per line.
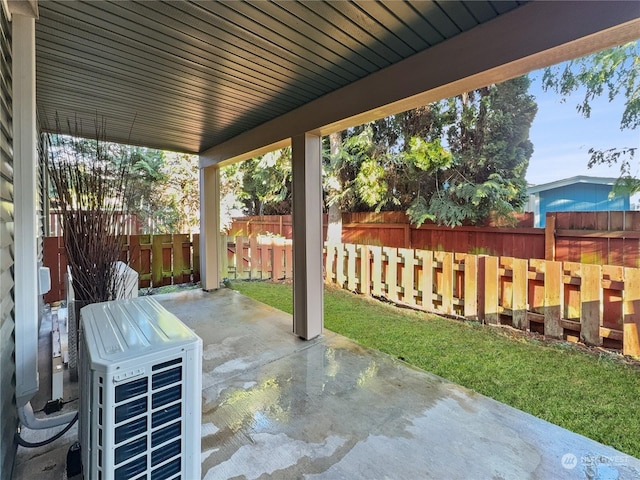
[595, 396]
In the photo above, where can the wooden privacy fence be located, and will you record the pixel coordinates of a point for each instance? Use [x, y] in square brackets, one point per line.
[129, 224]
[258, 258]
[603, 238]
[599, 305]
[158, 259]
[611, 238]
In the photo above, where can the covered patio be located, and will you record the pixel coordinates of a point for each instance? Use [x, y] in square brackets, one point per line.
[231, 80]
[275, 406]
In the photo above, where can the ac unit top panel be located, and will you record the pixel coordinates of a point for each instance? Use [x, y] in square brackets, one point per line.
[121, 330]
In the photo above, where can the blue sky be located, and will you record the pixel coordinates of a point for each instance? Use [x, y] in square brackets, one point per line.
[562, 137]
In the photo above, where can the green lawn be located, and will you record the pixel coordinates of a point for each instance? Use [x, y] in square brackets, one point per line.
[596, 396]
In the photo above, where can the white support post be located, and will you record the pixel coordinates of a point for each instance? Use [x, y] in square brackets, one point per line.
[25, 135]
[308, 317]
[210, 277]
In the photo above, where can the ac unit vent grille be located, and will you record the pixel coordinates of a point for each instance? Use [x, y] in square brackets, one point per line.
[167, 378]
[131, 469]
[166, 396]
[166, 471]
[131, 389]
[131, 409]
[166, 364]
[131, 429]
[165, 434]
[130, 450]
[166, 452]
[166, 415]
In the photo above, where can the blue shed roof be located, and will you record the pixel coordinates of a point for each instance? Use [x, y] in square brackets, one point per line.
[571, 181]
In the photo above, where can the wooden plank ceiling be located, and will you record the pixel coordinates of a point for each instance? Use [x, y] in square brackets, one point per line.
[186, 76]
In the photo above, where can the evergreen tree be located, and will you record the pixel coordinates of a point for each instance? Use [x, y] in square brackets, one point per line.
[454, 161]
[266, 183]
[489, 142]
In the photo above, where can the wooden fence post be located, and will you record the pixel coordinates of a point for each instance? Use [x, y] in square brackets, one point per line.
[288, 259]
[553, 299]
[134, 253]
[425, 280]
[519, 283]
[195, 255]
[277, 266]
[365, 270]
[391, 273]
[446, 289]
[266, 257]
[329, 262]
[51, 258]
[224, 257]
[340, 276]
[631, 312]
[408, 276]
[352, 279]
[376, 272]
[590, 304]
[159, 275]
[491, 290]
[550, 237]
[181, 263]
[239, 259]
[471, 286]
[156, 261]
[254, 256]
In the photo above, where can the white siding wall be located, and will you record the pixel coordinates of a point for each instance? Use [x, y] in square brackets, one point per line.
[8, 414]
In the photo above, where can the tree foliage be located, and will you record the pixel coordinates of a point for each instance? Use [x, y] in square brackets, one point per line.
[266, 183]
[489, 141]
[146, 175]
[179, 193]
[453, 161]
[165, 194]
[612, 72]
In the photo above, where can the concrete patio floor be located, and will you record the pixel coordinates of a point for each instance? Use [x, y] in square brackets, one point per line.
[275, 406]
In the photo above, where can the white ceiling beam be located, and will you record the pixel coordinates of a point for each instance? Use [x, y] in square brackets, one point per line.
[534, 36]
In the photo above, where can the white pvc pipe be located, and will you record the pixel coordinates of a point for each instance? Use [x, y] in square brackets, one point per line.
[29, 420]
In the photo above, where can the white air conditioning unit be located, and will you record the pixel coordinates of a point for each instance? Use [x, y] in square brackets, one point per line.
[140, 392]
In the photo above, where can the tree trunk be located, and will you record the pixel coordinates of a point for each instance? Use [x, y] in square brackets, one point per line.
[334, 228]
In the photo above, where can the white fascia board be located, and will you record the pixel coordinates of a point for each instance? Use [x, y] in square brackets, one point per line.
[543, 187]
[535, 35]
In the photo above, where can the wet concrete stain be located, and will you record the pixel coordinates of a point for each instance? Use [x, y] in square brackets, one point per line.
[274, 406]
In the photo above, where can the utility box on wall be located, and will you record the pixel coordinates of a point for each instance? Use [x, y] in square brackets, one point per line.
[140, 373]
